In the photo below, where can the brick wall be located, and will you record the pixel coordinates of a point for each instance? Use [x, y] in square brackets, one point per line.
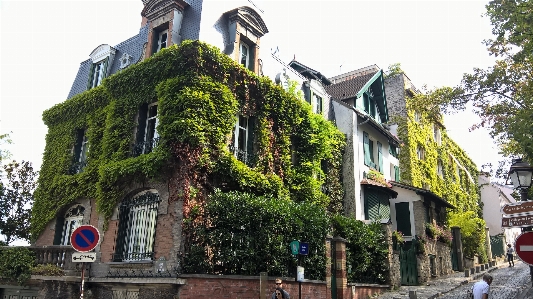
[244, 287]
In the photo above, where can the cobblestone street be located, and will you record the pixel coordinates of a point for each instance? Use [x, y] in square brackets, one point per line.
[508, 283]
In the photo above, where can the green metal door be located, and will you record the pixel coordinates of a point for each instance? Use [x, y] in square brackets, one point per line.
[497, 246]
[408, 264]
[455, 264]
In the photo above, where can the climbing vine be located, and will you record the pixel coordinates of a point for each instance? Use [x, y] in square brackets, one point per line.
[199, 91]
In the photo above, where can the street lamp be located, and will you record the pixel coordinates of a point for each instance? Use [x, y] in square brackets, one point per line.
[520, 174]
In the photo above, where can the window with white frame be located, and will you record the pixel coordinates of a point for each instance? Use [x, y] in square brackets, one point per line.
[240, 139]
[245, 55]
[440, 171]
[418, 117]
[317, 102]
[73, 219]
[81, 152]
[420, 152]
[436, 134]
[137, 226]
[162, 39]
[147, 135]
[98, 73]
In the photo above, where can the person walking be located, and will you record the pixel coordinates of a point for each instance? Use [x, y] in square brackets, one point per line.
[510, 255]
[280, 293]
[481, 289]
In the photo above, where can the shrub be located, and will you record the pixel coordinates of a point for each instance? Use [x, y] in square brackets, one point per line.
[16, 263]
[47, 270]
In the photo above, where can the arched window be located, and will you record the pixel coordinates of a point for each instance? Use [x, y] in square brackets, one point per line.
[73, 219]
[137, 222]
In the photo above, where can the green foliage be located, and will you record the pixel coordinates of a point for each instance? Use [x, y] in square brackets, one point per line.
[16, 263]
[16, 197]
[394, 69]
[47, 270]
[472, 234]
[458, 183]
[199, 91]
[247, 234]
[4, 154]
[366, 249]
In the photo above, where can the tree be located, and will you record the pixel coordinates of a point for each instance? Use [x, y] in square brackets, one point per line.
[502, 95]
[16, 197]
[4, 154]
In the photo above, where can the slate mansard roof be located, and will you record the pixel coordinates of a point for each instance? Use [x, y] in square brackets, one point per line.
[132, 46]
[349, 88]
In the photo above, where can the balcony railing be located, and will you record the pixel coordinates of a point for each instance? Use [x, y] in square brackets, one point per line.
[57, 255]
[144, 147]
[77, 167]
[133, 257]
[243, 156]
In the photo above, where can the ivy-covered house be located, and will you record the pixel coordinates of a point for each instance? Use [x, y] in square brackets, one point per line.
[370, 160]
[429, 160]
[151, 133]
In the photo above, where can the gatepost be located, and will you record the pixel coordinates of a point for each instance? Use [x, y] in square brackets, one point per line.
[339, 263]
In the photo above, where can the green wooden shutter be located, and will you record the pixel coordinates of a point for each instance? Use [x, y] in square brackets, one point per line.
[366, 148]
[372, 203]
[91, 74]
[396, 173]
[380, 157]
[403, 218]
[384, 205]
[366, 102]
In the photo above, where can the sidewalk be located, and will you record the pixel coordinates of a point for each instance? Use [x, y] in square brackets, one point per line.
[437, 287]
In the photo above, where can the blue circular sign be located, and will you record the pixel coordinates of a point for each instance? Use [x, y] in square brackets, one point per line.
[85, 238]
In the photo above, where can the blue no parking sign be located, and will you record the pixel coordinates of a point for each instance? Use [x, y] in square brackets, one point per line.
[85, 238]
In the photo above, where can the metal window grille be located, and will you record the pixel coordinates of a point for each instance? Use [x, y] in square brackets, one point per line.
[137, 222]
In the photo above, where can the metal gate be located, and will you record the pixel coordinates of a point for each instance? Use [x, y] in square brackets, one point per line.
[496, 245]
[408, 264]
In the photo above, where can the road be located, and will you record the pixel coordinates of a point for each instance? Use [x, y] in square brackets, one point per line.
[508, 283]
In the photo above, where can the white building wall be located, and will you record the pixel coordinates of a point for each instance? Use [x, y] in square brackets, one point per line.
[409, 196]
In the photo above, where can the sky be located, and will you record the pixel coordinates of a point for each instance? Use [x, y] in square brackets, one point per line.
[42, 44]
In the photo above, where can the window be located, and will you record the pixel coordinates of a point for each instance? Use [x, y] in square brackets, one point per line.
[420, 152]
[67, 223]
[380, 157]
[418, 117]
[137, 222]
[368, 150]
[81, 151]
[147, 136]
[393, 150]
[162, 39]
[369, 102]
[242, 141]
[317, 104]
[395, 173]
[440, 171]
[245, 55]
[97, 73]
[436, 134]
[403, 218]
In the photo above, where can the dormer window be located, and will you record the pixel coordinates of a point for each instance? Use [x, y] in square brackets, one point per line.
[317, 103]
[102, 58]
[162, 40]
[245, 55]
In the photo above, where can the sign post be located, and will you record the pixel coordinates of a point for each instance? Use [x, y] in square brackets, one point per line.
[524, 247]
[84, 239]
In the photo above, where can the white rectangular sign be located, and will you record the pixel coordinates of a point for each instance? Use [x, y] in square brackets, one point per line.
[83, 257]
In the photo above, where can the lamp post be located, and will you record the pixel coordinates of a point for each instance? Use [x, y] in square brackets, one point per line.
[520, 174]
